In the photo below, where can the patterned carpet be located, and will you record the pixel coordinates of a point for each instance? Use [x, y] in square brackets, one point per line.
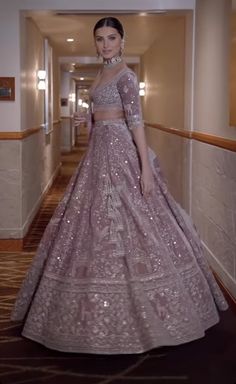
[210, 360]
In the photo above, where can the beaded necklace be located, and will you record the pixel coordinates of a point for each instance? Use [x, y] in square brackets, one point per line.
[112, 62]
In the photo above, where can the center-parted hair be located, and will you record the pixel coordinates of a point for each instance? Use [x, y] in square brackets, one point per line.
[112, 22]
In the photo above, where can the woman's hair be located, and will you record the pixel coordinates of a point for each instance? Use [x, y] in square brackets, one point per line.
[110, 22]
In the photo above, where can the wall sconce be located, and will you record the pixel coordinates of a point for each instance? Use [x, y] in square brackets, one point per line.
[142, 86]
[42, 79]
[72, 97]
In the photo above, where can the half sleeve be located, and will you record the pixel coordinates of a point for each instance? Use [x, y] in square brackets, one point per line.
[128, 89]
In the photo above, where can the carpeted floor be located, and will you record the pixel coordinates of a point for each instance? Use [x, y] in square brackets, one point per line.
[210, 360]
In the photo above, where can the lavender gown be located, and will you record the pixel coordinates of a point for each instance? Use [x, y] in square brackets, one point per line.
[115, 272]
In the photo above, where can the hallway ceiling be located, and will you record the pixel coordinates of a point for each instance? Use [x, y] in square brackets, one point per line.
[140, 32]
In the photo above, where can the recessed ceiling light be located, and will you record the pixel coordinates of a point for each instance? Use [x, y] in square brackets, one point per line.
[70, 40]
[81, 78]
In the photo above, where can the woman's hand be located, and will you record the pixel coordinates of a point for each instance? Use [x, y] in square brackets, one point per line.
[147, 181]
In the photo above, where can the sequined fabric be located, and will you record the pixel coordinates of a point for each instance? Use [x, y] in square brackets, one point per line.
[115, 272]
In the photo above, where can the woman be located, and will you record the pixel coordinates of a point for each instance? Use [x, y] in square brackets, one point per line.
[120, 268]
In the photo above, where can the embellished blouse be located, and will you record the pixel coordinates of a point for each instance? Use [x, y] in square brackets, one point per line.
[120, 93]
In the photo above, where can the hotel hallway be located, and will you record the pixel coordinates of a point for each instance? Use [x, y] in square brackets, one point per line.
[211, 360]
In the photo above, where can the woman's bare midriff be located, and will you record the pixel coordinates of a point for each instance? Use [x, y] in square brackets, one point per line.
[108, 115]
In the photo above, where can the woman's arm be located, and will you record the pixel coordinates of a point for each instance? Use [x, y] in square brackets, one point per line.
[147, 181]
[129, 92]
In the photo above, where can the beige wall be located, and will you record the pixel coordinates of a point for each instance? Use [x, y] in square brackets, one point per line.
[28, 166]
[213, 197]
[170, 149]
[40, 152]
[40, 164]
[32, 100]
[214, 207]
[233, 72]
[211, 83]
[10, 188]
[10, 65]
[200, 176]
[56, 86]
[68, 88]
[163, 70]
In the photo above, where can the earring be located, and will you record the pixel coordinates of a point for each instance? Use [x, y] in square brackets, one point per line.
[122, 46]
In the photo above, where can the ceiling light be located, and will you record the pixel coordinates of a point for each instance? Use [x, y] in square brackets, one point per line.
[81, 78]
[70, 40]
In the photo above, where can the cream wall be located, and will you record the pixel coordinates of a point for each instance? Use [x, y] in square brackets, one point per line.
[201, 176]
[68, 88]
[213, 197]
[211, 83]
[10, 188]
[171, 150]
[28, 166]
[40, 165]
[32, 100]
[233, 72]
[163, 70]
[10, 65]
[214, 207]
[40, 152]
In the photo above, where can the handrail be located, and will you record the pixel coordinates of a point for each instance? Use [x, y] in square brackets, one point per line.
[217, 141]
[20, 135]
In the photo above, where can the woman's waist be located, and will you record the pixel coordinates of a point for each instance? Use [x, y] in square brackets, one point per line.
[108, 115]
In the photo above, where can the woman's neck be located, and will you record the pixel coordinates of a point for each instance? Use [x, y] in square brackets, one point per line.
[107, 63]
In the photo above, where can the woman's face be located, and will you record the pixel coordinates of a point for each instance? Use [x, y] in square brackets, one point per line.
[107, 42]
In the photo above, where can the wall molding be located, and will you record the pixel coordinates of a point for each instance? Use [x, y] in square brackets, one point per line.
[20, 135]
[216, 141]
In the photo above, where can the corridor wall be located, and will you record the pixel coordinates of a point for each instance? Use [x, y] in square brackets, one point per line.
[163, 70]
[199, 158]
[30, 159]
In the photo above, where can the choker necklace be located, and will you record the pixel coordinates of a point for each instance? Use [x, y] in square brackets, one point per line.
[112, 62]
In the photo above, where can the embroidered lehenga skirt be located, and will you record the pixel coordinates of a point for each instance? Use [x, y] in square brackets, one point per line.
[116, 272]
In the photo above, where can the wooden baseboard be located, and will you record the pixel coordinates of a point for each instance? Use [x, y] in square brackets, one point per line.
[230, 299]
[11, 245]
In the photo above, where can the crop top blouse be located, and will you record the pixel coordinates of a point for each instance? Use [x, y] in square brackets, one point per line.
[121, 93]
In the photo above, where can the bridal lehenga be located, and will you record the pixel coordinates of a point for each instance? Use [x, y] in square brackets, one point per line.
[115, 272]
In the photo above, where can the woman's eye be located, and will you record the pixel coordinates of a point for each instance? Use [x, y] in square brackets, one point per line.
[98, 39]
[112, 37]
